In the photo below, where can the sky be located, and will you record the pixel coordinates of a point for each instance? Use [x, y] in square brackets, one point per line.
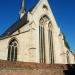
[63, 10]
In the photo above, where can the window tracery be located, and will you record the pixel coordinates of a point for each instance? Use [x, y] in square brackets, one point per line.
[12, 50]
[43, 22]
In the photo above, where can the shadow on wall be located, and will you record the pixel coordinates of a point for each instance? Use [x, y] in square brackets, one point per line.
[70, 71]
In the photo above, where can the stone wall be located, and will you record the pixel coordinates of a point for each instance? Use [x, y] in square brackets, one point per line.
[23, 68]
[30, 72]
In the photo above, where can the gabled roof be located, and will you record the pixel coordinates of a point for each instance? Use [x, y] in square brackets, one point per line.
[18, 24]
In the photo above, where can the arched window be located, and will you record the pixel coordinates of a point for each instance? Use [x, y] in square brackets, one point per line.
[12, 50]
[50, 39]
[45, 21]
[42, 22]
[67, 54]
[45, 7]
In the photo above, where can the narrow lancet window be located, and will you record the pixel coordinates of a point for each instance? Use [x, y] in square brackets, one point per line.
[42, 41]
[42, 44]
[67, 53]
[50, 38]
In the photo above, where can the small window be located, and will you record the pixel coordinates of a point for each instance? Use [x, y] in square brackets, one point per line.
[45, 7]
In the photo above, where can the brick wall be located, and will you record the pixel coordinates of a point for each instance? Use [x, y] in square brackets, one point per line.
[30, 72]
[23, 68]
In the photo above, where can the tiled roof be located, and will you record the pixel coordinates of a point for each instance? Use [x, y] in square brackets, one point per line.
[18, 24]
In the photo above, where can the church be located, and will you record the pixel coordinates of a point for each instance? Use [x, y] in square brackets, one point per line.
[35, 37]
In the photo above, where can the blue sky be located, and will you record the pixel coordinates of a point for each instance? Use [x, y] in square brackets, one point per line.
[63, 10]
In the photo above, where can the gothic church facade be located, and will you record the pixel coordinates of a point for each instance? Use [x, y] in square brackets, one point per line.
[35, 37]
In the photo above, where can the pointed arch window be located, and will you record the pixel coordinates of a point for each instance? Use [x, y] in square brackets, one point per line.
[12, 50]
[67, 53]
[45, 7]
[42, 41]
[50, 39]
[45, 22]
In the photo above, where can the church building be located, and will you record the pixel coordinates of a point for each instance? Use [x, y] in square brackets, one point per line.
[35, 37]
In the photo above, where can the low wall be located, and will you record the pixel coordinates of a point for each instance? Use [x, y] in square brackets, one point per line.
[23, 68]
